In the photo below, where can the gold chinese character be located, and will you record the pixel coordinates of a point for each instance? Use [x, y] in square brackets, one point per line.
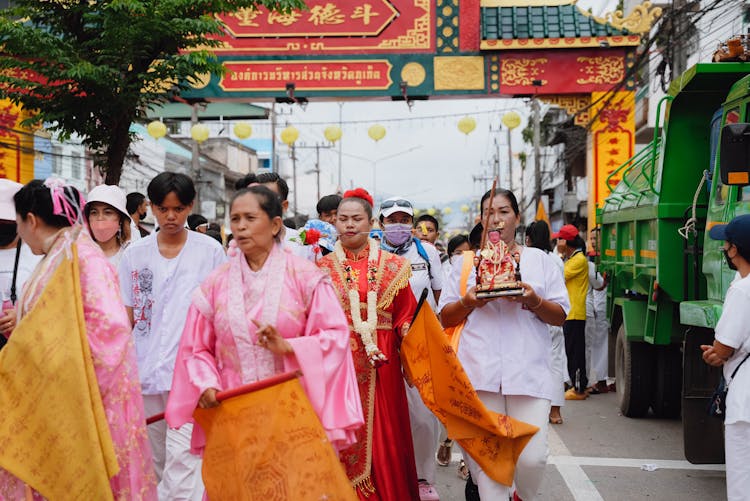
[246, 16]
[326, 15]
[285, 19]
[365, 13]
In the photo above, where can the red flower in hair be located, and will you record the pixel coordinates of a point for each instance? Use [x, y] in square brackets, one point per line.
[360, 193]
[312, 236]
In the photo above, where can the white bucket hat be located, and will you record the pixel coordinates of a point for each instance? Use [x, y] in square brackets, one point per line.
[109, 194]
[8, 188]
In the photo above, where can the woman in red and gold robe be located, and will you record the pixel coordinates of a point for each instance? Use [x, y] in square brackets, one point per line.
[381, 463]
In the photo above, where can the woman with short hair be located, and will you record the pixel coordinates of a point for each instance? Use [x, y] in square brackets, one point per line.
[264, 312]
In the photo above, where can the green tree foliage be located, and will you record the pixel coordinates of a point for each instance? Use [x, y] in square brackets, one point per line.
[92, 67]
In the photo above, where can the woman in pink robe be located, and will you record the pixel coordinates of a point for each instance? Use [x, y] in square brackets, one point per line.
[108, 329]
[264, 312]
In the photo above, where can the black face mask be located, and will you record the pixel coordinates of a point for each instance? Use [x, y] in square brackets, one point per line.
[7, 234]
[729, 260]
[142, 215]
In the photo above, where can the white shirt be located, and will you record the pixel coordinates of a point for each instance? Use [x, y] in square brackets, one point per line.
[135, 232]
[420, 277]
[503, 345]
[160, 291]
[733, 329]
[596, 300]
[27, 261]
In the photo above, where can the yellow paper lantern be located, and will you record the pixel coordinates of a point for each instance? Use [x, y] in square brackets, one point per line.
[417, 212]
[199, 132]
[464, 209]
[376, 132]
[511, 120]
[243, 130]
[156, 129]
[333, 133]
[467, 125]
[289, 135]
[447, 211]
[431, 211]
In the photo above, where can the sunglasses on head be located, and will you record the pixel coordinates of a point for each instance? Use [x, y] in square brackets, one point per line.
[396, 203]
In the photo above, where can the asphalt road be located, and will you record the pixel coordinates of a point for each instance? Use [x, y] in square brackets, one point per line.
[598, 454]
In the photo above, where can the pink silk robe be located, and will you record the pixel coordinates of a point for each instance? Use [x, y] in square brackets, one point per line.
[109, 333]
[218, 347]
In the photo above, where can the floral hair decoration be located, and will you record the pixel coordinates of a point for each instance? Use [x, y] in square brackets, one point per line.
[63, 201]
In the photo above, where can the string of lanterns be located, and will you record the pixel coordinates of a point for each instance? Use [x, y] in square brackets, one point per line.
[333, 133]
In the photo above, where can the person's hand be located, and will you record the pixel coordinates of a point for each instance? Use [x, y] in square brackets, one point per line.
[8, 321]
[208, 399]
[471, 301]
[711, 357]
[529, 297]
[270, 339]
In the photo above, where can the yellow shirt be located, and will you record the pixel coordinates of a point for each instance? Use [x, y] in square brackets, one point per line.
[577, 283]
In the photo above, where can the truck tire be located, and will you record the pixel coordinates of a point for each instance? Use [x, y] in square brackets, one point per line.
[667, 400]
[634, 368]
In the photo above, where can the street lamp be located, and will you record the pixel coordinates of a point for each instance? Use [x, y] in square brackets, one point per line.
[374, 164]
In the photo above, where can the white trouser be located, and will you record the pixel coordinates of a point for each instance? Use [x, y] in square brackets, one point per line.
[737, 451]
[178, 471]
[597, 350]
[425, 434]
[559, 364]
[533, 459]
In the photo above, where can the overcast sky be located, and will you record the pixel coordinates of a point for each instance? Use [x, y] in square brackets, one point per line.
[430, 161]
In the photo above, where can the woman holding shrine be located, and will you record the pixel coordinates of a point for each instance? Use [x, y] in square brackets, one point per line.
[505, 346]
[373, 287]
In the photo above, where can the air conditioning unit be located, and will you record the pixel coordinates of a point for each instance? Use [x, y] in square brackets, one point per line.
[570, 202]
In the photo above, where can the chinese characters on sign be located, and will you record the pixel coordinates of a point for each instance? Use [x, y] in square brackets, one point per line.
[322, 19]
[613, 133]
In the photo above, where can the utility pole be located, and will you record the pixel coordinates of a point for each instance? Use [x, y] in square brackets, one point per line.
[195, 160]
[317, 169]
[510, 161]
[340, 187]
[294, 179]
[274, 167]
[537, 150]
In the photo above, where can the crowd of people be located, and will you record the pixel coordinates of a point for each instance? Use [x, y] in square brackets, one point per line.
[176, 315]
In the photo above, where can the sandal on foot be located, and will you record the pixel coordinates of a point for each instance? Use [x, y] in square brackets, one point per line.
[443, 456]
[463, 470]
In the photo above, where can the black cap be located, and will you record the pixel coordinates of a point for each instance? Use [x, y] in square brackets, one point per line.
[736, 232]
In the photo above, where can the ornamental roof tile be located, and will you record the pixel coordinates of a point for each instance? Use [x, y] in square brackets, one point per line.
[543, 22]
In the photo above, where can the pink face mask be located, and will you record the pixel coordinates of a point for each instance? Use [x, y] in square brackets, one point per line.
[104, 230]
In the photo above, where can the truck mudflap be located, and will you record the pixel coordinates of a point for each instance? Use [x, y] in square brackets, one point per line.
[703, 435]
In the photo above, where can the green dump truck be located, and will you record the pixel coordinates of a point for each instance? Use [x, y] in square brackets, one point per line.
[667, 279]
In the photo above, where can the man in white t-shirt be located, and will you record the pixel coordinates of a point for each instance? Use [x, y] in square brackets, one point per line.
[16, 260]
[397, 218]
[730, 349]
[158, 275]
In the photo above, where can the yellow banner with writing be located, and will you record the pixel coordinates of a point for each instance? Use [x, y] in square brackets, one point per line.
[269, 445]
[493, 440]
[53, 429]
[612, 143]
[16, 144]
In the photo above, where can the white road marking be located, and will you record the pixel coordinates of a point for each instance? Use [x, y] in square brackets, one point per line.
[661, 464]
[579, 484]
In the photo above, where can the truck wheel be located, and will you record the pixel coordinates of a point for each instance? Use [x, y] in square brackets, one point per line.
[668, 382]
[634, 368]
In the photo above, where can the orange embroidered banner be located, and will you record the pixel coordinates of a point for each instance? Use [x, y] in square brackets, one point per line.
[268, 445]
[493, 440]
